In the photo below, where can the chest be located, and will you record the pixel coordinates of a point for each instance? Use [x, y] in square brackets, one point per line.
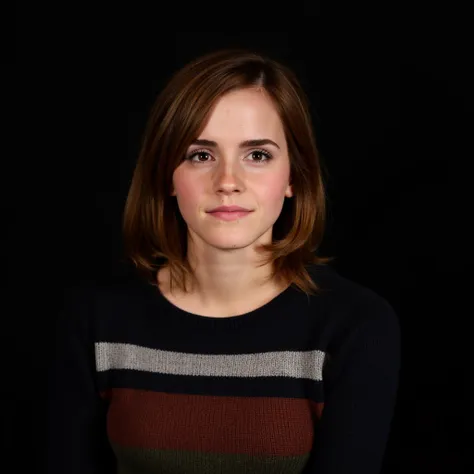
[153, 431]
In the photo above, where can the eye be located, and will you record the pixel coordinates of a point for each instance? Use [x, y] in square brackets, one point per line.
[197, 153]
[266, 156]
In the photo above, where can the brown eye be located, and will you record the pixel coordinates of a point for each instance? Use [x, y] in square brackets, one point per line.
[198, 153]
[265, 154]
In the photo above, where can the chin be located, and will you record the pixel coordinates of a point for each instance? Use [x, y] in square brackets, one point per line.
[230, 244]
[226, 238]
[224, 241]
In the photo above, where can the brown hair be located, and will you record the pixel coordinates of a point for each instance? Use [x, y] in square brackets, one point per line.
[153, 228]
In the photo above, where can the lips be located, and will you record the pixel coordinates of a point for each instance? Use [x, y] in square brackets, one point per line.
[229, 215]
[229, 209]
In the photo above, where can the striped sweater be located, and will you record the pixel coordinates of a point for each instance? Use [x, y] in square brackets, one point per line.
[300, 385]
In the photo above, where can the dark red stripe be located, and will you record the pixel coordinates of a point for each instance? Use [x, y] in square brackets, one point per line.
[258, 425]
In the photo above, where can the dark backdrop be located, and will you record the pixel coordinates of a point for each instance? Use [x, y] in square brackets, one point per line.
[389, 94]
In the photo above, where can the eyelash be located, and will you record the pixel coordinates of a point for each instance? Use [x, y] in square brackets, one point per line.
[265, 153]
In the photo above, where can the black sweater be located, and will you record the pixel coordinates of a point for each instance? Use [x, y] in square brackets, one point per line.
[300, 385]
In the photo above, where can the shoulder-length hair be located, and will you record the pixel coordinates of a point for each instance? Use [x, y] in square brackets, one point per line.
[154, 232]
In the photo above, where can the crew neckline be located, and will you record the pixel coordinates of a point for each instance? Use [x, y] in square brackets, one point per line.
[186, 317]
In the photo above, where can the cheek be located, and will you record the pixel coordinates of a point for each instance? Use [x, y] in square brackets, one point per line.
[187, 193]
[187, 197]
[271, 190]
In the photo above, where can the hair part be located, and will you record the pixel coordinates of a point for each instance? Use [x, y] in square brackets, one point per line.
[154, 232]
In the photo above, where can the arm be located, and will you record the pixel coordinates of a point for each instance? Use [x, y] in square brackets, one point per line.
[77, 442]
[360, 394]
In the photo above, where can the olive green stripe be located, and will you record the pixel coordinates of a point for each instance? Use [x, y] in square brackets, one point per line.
[144, 461]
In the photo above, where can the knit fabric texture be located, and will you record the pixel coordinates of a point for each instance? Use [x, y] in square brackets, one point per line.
[301, 385]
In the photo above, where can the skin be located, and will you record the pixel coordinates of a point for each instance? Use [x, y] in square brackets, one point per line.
[223, 252]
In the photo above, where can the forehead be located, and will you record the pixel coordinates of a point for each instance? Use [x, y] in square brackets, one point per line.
[244, 114]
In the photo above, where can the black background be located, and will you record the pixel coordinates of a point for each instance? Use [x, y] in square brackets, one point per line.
[390, 97]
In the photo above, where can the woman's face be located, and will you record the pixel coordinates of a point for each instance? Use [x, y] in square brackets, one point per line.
[230, 173]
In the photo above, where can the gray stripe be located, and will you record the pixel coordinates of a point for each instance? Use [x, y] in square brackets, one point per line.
[298, 364]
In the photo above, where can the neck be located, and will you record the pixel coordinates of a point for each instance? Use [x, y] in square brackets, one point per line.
[219, 285]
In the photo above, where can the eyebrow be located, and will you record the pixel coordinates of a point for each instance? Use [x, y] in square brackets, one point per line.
[244, 144]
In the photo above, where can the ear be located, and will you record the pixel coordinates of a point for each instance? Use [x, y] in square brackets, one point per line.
[289, 191]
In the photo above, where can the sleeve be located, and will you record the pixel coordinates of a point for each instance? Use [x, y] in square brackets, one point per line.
[77, 441]
[360, 395]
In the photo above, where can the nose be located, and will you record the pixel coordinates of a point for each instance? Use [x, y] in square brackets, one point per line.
[228, 180]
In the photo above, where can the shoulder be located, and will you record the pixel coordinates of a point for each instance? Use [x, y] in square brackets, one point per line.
[356, 327]
[350, 304]
[96, 297]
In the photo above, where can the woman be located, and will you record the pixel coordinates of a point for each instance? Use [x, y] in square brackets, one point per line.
[233, 347]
